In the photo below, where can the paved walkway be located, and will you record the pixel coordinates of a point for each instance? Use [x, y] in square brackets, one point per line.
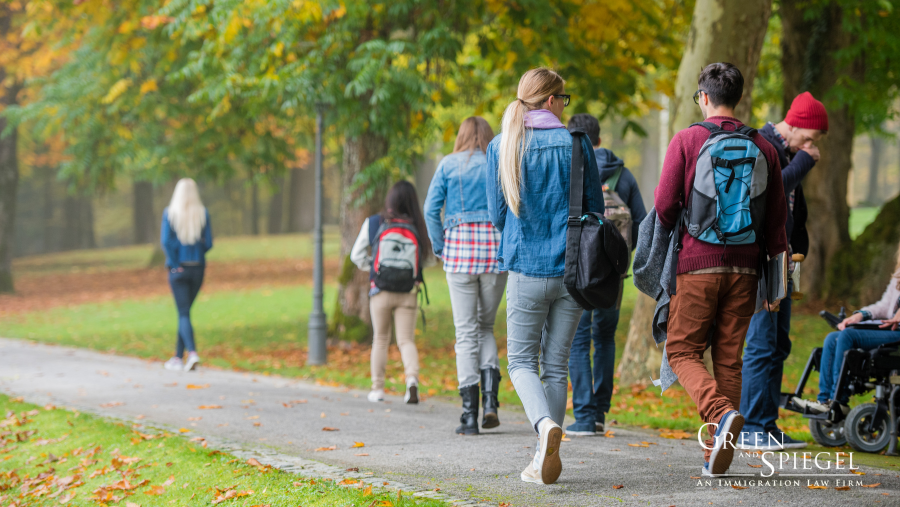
[411, 444]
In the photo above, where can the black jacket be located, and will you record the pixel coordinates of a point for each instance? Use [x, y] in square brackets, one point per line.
[627, 187]
[793, 168]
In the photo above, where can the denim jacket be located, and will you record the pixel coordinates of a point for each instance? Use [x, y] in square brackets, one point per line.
[176, 251]
[458, 186]
[534, 243]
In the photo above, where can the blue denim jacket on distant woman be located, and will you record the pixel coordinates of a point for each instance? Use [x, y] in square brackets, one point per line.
[176, 251]
[458, 186]
[534, 243]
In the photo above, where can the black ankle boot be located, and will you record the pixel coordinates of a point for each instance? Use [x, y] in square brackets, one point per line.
[469, 417]
[490, 378]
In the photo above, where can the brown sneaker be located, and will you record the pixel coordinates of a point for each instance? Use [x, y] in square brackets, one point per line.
[550, 438]
[531, 475]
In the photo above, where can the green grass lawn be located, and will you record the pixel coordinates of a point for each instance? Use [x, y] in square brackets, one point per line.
[860, 218]
[235, 248]
[264, 330]
[50, 456]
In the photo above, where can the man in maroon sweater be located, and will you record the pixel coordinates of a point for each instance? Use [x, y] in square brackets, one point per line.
[716, 286]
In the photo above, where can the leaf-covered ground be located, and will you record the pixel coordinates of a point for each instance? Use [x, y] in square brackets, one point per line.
[50, 456]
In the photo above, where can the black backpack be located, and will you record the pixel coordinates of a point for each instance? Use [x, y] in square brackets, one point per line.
[596, 253]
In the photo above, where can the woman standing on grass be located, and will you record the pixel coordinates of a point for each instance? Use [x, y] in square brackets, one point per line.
[186, 236]
[398, 250]
[467, 242]
[529, 165]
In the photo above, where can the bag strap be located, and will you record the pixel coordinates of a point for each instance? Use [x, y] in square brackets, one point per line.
[576, 180]
[614, 179]
[708, 125]
[374, 225]
[673, 281]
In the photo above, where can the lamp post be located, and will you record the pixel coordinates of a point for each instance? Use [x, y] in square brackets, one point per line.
[318, 328]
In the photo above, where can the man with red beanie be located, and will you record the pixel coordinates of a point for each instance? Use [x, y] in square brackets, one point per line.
[716, 287]
[768, 343]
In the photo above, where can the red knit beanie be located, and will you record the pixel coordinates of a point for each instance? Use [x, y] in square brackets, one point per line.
[807, 113]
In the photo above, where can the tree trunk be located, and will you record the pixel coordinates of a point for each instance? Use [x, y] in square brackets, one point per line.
[641, 358]
[276, 205]
[302, 202]
[79, 223]
[144, 219]
[350, 318]
[48, 226]
[650, 152]
[857, 272]
[873, 195]
[721, 31]
[254, 208]
[808, 64]
[9, 184]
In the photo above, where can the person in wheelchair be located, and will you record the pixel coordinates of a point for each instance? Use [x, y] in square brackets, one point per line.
[850, 337]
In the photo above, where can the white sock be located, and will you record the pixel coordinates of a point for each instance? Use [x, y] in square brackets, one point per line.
[537, 425]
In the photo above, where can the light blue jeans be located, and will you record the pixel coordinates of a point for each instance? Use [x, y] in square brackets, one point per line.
[541, 319]
[474, 300]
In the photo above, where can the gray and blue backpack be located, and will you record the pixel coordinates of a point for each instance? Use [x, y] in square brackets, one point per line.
[727, 204]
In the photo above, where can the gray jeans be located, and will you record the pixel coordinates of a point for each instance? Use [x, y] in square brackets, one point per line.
[475, 299]
[537, 307]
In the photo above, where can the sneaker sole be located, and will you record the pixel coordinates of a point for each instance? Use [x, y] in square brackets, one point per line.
[490, 421]
[191, 366]
[412, 395]
[720, 459]
[552, 465]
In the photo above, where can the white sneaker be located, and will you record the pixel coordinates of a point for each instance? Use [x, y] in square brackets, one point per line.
[531, 475]
[192, 361]
[412, 392]
[813, 406]
[546, 459]
[376, 395]
[174, 364]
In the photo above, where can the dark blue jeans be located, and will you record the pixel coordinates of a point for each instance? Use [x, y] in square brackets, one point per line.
[833, 355]
[768, 345]
[592, 390]
[185, 286]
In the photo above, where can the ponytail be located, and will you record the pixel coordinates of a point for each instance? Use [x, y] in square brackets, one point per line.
[535, 87]
[512, 150]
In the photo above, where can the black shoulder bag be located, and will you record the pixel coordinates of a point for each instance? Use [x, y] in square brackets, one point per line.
[596, 253]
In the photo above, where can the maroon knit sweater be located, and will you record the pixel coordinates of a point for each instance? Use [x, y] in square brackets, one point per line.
[676, 182]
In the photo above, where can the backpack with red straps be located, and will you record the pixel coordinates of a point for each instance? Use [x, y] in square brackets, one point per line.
[396, 257]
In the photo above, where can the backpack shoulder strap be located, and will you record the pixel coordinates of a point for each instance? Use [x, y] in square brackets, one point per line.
[374, 225]
[710, 126]
[576, 180]
[614, 179]
[747, 131]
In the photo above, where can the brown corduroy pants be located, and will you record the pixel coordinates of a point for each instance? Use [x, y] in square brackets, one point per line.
[728, 299]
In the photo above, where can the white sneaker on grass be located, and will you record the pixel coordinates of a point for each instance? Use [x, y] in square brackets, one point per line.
[376, 395]
[174, 364]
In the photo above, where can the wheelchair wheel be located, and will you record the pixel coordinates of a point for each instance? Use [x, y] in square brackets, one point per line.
[866, 441]
[827, 434]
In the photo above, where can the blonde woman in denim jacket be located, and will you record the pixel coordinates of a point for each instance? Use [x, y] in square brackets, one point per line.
[467, 242]
[529, 166]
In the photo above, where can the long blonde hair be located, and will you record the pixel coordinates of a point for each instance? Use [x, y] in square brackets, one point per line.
[186, 212]
[535, 87]
[475, 133]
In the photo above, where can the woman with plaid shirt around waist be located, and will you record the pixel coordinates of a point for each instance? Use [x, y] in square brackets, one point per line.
[467, 243]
